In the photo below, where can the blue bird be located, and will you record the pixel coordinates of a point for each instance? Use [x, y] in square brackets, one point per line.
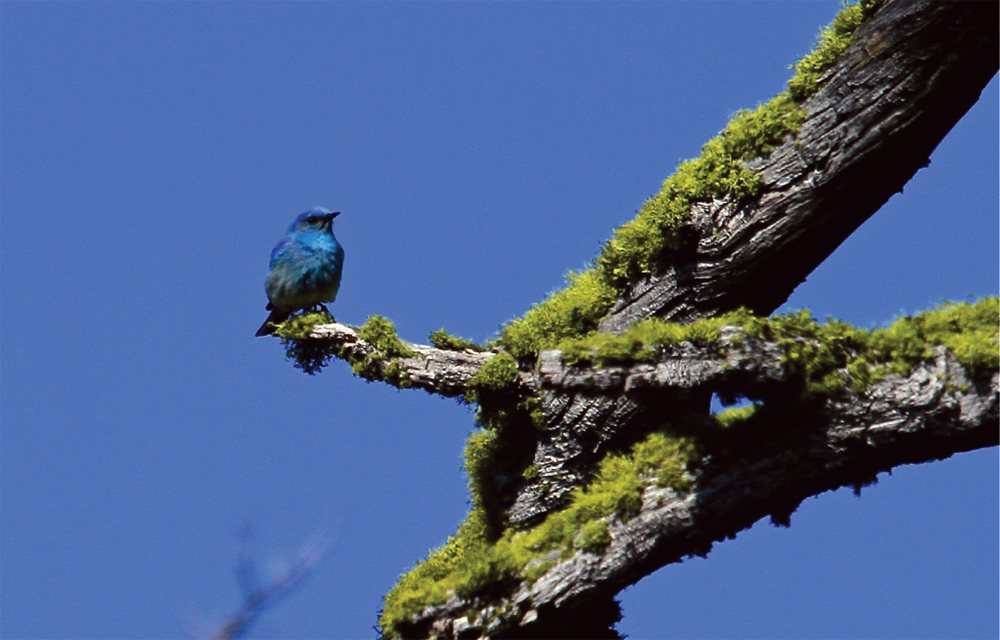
[305, 268]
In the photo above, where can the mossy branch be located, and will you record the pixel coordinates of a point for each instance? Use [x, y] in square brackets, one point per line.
[677, 491]
[597, 460]
[625, 448]
[376, 353]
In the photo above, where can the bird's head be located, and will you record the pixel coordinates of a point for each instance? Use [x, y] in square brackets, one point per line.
[315, 220]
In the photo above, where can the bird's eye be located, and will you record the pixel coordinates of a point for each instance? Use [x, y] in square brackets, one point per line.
[312, 219]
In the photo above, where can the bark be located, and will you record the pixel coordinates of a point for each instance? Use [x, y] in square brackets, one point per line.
[909, 75]
[912, 71]
[436, 370]
[900, 420]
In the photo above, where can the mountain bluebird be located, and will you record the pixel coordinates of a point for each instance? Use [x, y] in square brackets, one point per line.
[305, 268]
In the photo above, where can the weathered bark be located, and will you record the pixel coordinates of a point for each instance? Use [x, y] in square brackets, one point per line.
[897, 421]
[909, 75]
[436, 370]
[911, 72]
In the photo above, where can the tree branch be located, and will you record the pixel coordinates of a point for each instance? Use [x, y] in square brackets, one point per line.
[922, 417]
[564, 516]
[442, 371]
[911, 72]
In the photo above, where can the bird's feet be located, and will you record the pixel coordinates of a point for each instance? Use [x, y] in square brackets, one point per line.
[321, 308]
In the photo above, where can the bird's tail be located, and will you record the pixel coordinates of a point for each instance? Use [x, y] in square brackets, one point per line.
[277, 317]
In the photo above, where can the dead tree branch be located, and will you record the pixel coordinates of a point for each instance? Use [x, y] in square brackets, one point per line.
[911, 72]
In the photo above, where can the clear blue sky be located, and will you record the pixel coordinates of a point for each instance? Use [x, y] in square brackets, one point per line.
[153, 153]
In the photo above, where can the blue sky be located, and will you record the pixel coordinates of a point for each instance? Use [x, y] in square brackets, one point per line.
[153, 153]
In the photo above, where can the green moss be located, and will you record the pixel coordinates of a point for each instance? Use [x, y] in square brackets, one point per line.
[659, 228]
[736, 415]
[397, 376]
[573, 311]
[485, 554]
[381, 334]
[497, 375]
[595, 537]
[832, 41]
[433, 580]
[837, 357]
[642, 340]
[299, 327]
[820, 360]
[308, 354]
[968, 330]
[480, 458]
[489, 568]
[473, 561]
[367, 368]
[444, 340]
[536, 571]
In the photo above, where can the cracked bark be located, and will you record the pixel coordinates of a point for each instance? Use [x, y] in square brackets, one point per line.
[912, 71]
[909, 75]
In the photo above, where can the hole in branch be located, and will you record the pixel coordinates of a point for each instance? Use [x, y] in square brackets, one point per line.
[722, 402]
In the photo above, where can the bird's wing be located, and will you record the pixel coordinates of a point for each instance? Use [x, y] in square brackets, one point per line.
[280, 249]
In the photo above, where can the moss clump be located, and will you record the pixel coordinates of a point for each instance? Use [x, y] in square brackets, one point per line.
[837, 357]
[308, 354]
[736, 415]
[824, 358]
[480, 461]
[832, 42]
[433, 580]
[311, 354]
[819, 360]
[395, 375]
[498, 454]
[595, 537]
[497, 375]
[640, 343]
[381, 334]
[573, 311]
[968, 330]
[659, 228]
[299, 327]
[488, 569]
[444, 340]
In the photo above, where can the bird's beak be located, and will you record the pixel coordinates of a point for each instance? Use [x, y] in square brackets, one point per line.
[333, 215]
